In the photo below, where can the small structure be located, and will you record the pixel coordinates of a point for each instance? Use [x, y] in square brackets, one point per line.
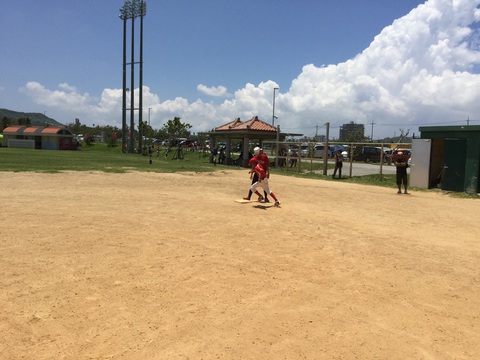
[251, 130]
[39, 137]
[447, 157]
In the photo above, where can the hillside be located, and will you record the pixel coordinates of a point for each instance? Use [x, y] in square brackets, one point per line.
[37, 119]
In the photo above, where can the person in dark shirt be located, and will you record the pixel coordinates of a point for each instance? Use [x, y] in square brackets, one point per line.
[401, 165]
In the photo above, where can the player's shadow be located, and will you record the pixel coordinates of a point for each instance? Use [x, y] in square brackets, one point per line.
[262, 207]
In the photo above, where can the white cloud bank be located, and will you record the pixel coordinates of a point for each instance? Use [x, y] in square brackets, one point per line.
[423, 69]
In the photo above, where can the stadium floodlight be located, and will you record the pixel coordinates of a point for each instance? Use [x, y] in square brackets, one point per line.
[132, 9]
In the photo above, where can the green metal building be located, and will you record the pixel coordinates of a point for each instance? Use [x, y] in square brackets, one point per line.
[454, 157]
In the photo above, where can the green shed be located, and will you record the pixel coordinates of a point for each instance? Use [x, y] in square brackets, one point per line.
[454, 157]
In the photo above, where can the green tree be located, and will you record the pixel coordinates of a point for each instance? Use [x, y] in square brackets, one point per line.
[76, 127]
[355, 136]
[6, 122]
[24, 121]
[176, 129]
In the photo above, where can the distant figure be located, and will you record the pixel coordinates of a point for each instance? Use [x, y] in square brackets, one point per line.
[338, 164]
[221, 157]
[214, 155]
[293, 159]
[401, 177]
[150, 153]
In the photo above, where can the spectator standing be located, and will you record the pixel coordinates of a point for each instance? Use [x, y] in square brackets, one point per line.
[401, 165]
[338, 164]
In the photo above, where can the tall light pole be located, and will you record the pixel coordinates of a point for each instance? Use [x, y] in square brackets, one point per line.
[130, 10]
[149, 116]
[273, 115]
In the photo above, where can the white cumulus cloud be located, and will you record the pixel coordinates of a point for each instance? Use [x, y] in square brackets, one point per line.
[217, 91]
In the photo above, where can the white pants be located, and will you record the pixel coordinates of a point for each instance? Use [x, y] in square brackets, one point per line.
[263, 184]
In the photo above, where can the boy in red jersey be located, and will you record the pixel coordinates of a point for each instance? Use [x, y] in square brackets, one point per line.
[263, 183]
[258, 158]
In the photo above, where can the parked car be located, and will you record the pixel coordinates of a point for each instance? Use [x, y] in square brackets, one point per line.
[369, 154]
[305, 150]
[318, 150]
[292, 149]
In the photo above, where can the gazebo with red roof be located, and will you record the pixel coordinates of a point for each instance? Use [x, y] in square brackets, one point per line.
[253, 129]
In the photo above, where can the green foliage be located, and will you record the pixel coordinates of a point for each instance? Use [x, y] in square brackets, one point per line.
[355, 136]
[89, 139]
[24, 121]
[6, 122]
[176, 129]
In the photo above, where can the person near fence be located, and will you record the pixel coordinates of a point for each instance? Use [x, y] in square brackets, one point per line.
[401, 165]
[338, 164]
[213, 155]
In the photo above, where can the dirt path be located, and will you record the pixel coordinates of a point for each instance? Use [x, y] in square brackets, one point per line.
[168, 266]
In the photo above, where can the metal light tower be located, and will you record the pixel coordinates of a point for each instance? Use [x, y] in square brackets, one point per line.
[273, 115]
[130, 10]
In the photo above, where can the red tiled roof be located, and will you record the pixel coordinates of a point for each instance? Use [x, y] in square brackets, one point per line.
[52, 130]
[36, 130]
[13, 129]
[33, 130]
[254, 124]
[230, 125]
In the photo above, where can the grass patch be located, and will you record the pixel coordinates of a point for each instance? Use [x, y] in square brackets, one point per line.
[99, 157]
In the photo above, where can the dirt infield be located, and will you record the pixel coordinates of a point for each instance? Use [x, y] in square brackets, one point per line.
[168, 266]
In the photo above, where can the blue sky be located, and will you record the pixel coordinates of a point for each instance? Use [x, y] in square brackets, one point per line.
[398, 64]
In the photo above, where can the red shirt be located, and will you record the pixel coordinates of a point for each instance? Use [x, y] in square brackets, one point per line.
[260, 172]
[261, 159]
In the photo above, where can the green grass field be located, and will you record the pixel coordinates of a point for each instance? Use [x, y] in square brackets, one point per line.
[99, 157]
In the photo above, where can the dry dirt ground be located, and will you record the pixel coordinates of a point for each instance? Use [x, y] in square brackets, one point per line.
[168, 266]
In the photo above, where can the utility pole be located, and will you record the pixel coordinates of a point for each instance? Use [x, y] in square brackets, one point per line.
[273, 114]
[325, 148]
[371, 135]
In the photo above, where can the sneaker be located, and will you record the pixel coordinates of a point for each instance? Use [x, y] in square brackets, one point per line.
[399, 192]
[260, 198]
[246, 198]
[277, 203]
[267, 200]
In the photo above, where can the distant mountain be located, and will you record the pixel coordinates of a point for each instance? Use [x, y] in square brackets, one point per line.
[36, 119]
